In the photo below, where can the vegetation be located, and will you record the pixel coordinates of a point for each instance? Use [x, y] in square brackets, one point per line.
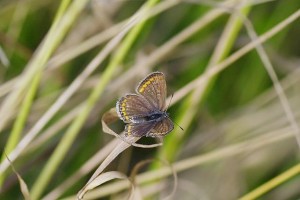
[232, 66]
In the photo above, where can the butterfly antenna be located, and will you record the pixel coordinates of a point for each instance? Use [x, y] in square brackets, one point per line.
[167, 109]
[178, 126]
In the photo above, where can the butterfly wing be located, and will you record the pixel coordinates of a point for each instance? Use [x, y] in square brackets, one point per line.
[138, 129]
[133, 107]
[161, 128]
[154, 89]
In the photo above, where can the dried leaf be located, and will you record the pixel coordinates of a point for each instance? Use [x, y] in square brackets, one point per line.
[139, 165]
[111, 116]
[108, 118]
[102, 178]
[23, 185]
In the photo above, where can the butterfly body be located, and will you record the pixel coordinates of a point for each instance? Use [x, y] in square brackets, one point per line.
[145, 112]
[156, 116]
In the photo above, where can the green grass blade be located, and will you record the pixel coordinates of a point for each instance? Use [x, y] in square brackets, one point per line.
[75, 127]
[27, 103]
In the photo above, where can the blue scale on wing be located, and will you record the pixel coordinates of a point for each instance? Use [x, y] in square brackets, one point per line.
[154, 116]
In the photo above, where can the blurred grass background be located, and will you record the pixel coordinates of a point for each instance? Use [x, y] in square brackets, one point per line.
[236, 135]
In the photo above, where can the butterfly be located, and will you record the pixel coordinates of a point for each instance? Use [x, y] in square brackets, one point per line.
[145, 112]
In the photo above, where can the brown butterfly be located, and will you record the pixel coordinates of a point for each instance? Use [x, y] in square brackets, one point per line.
[145, 112]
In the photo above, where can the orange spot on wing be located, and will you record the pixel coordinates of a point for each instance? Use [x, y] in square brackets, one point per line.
[129, 130]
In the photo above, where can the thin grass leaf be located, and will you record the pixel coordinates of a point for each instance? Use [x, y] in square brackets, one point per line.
[36, 65]
[22, 183]
[74, 128]
[235, 56]
[141, 164]
[99, 180]
[28, 100]
[262, 38]
[237, 133]
[278, 88]
[271, 184]
[80, 79]
[188, 111]
[215, 155]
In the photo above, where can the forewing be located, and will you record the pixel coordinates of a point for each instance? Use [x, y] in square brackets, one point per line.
[154, 89]
[132, 107]
[138, 129]
[161, 128]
